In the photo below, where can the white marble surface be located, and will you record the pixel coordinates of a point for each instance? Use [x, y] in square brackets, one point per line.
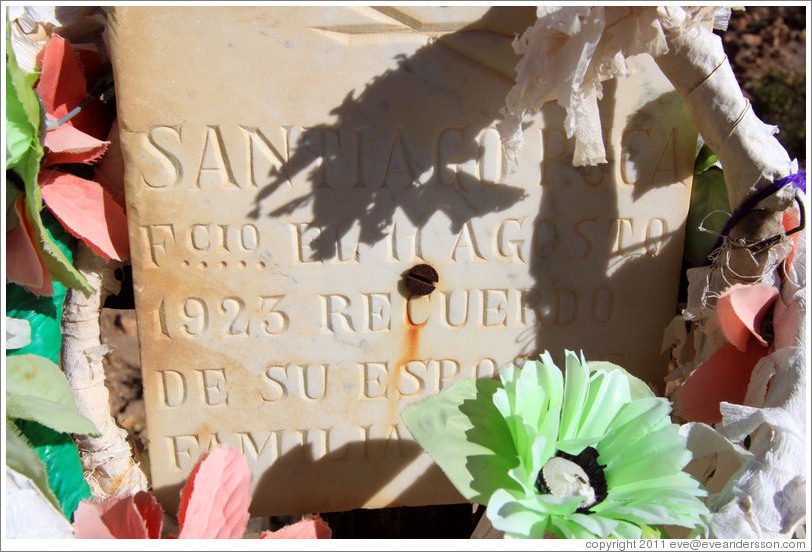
[285, 168]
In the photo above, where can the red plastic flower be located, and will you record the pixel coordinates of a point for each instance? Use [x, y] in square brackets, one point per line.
[84, 207]
[62, 87]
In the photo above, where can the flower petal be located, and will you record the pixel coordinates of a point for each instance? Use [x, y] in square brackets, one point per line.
[312, 527]
[88, 212]
[123, 520]
[576, 387]
[634, 421]
[87, 521]
[214, 502]
[67, 144]
[151, 512]
[658, 454]
[741, 309]
[527, 517]
[466, 436]
[24, 265]
[61, 80]
[130, 517]
[583, 526]
[18, 333]
[62, 87]
[723, 377]
[608, 392]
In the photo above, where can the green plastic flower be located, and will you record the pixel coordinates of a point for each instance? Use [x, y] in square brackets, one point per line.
[592, 454]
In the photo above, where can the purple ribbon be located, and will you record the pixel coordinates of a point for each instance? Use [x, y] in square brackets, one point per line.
[797, 181]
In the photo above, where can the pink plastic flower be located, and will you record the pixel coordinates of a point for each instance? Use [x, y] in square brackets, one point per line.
[742, 311]
[213, 505]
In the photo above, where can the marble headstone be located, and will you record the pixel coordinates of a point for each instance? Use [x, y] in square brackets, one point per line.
[287, 166]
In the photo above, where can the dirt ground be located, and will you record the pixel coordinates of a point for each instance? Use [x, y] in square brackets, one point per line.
[767, 50]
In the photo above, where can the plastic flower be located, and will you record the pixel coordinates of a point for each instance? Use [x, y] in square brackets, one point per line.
[755, 322]
[213, 505]
[591, 455]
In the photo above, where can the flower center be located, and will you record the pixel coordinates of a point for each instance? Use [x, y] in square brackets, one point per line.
[580, 476]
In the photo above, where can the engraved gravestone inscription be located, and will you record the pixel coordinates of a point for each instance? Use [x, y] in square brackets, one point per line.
[287, 167]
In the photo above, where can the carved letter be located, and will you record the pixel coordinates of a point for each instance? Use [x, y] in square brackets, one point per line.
[412, 249]
[378, 316]
[305, 379]
[655, 232]
[259, 143]
[467, 233]
[545, 239]
[490, 156]
[342, 161]
[299, 242]
[416, 373]
[213, 383]
[332, 317]
[447, 370]
[566, 305]
[373, 386]
[623, 236]
[580, 230]
[494, 312]
[399, 167]
[199, 235]
[157, 235]
[456, 308]
[174, 387]
[248, 442]
[507, 248]
[214, 159]
[276, 378]
[603, 301]
[165, 163]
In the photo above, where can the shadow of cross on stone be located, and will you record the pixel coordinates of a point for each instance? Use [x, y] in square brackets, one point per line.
[419, 138]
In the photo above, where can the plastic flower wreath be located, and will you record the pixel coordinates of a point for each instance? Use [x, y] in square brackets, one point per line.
[593, 456]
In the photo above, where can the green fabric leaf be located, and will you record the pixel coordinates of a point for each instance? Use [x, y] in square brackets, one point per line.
[61, 458]
[705, 159]
[708, 195]
[58, 264]
[19, 132]
[461, 429]
[22, 458]
[23, 83]
[36, 389]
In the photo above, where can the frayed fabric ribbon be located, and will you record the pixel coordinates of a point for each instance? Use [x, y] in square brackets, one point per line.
[797, 181]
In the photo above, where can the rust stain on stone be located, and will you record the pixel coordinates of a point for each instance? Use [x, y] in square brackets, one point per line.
[409, 350]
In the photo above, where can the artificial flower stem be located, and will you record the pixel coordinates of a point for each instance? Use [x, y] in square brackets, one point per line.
[110, 469]
[53, 124]
[751, 156]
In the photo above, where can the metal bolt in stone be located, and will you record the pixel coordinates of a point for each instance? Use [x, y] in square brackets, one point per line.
[421, 279]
